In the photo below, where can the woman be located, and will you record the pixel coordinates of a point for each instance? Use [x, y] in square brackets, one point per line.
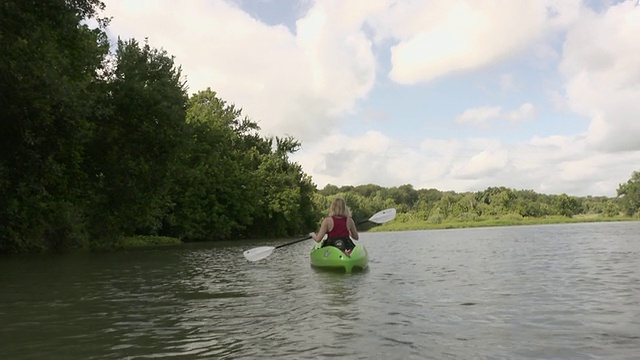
[339, 226]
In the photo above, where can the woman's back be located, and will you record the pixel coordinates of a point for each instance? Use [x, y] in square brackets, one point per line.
[339, 229]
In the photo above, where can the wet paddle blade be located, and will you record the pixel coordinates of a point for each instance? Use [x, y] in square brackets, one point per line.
[383, 216]
[258, 253]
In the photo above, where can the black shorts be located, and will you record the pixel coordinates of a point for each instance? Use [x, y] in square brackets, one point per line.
[342, 243]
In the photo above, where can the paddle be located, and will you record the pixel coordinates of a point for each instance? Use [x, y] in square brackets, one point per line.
[262, 252]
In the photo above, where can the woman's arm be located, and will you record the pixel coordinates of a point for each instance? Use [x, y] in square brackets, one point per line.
[324, 229]
[351, 225]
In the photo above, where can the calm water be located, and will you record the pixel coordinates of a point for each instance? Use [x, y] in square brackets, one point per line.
[534, 292]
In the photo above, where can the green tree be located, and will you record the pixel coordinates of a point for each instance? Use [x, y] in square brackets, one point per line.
[465, 207]
[48, 62]
[136, 142]
[405, 196]
[629, 195]
[567, 205]
[611, 209]
[329, 190]
[429, 195]
[528, 208]
[368, 190]
[495, 201]
[285, 206]
[507, 201]
[446, 204]
[427, 200]
[213, 188]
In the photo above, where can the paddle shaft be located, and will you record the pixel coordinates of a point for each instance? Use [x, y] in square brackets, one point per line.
[293, 242]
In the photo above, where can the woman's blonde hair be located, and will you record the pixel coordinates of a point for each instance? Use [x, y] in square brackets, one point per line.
[339, 208]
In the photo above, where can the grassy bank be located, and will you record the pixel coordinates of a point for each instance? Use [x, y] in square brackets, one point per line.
[407, 223]
[403, 222]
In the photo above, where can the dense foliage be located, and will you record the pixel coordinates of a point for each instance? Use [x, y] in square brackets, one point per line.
[48, 98]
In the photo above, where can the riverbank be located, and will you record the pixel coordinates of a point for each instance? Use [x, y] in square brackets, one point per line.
[143, 241]
[407, 223]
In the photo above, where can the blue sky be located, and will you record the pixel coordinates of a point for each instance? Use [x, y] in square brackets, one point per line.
[446, 94]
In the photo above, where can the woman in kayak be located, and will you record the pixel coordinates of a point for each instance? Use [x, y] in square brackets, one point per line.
[339, 226]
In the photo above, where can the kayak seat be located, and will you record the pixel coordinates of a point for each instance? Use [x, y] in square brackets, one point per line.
[342, 243]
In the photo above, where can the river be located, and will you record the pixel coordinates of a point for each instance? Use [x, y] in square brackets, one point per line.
[524, 292]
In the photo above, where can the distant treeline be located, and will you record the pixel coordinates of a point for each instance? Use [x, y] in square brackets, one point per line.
[99, 144]
[437, 206]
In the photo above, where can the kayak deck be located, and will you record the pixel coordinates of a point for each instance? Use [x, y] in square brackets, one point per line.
[330, 257]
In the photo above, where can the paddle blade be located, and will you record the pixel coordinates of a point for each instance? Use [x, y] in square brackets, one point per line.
[258, 253]
[383, 216]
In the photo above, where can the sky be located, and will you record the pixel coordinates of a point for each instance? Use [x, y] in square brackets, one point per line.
[448, 94]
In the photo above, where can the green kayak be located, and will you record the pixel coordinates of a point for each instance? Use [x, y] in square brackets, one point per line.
[330, 257]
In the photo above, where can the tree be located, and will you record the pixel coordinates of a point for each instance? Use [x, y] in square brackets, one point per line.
[611, 209]
[329, 190]
[215, 187]
[48, 63]
[566, 205]
[507, 201]
[368, 190]
[465, 207]
[446, 204]
[404, 195]
[286, 205]
[137, 138]
[629, 195]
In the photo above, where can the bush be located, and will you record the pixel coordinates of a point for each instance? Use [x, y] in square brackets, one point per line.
[435, 219]
[467, 217]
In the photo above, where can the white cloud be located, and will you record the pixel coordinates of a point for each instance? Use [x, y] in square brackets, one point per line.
[483, 116]
[296, 84]
[550, 165]
[339, 159]
[600, 63]
[483, 164]
[442, 37]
